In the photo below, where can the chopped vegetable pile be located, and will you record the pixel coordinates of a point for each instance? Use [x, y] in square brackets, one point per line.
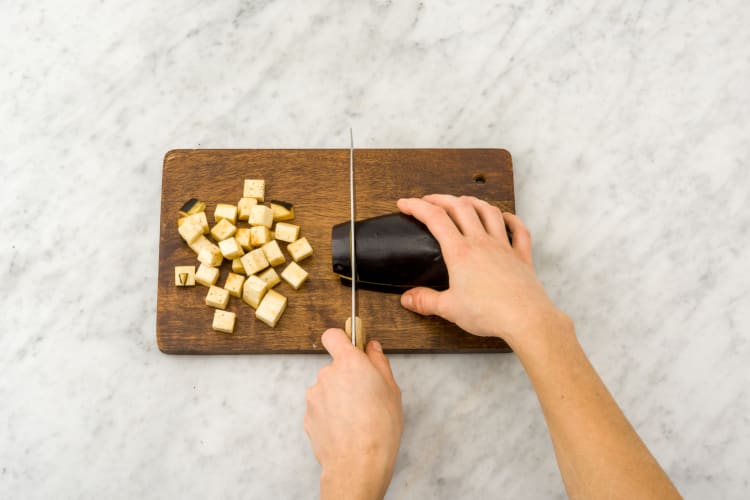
[254, 251]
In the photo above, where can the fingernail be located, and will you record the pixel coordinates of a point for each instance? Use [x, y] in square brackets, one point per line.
[376, 345]
[406, 300]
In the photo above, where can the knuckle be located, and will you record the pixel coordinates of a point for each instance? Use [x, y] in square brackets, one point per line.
[349, 359]
[485, 241]
[435, 211]
[310, 395]
[419, 301]
[424, 306]
[324, 374]
[462, 249]
[466, 201]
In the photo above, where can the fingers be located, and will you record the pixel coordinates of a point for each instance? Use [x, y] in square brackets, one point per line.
[422, 300]
[336, 342]
[461, 211]
[448, 218]
[374, 351]
[435, 218]
[521, 237]
[492, 219]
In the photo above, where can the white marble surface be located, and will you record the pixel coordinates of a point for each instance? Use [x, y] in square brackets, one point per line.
[630, 129]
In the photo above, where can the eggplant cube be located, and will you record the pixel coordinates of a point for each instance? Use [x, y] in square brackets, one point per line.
[192, 206]
[254, 261]
[224, 321]
[190, 231]
[184, 275]
[259, 235]
[233, 284]
[273, 253]
[287, 232]
[282, 210]
[254, 290]
[271, 277]
[206, 275]
[211, 256]
[271, 308]
[201, 219]
[237, 266]
[226, 211]
[231, 249]
[244, 206]
[217, 297]
[254, 188]
[199, 244]
[242, 235]
[261, 215]
[300, 249]
[197, 218]
[294, 275]
[223, 230]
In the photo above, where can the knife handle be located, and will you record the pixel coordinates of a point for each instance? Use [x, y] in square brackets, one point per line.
[361, 339]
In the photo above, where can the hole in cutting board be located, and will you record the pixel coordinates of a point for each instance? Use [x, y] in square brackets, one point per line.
[480, 179]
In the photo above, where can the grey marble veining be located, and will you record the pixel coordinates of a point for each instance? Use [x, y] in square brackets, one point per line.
[629, 124]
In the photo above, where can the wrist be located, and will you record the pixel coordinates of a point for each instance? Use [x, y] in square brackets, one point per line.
[548, 326]
[354, 481]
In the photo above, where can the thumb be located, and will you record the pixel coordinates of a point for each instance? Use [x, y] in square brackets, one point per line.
[377, 358]
[422, 300]
[336, 342]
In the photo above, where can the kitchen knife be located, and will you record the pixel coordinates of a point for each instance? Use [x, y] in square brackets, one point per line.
[353, 329]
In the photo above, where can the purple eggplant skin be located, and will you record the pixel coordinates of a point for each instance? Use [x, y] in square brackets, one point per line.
[395, 252]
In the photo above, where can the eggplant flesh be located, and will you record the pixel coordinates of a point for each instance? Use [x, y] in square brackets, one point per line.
[395, 252]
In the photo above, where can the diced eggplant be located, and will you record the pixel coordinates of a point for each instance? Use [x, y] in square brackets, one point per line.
[217, 297]
[271, 308]
[282, 210]
[184, 275]
[224, 321]
[206, 275]
[300, 249]
[192, 206]
[234, 283]
[254, 188]
[394, 252]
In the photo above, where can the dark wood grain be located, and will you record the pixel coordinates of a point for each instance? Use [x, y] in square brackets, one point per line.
[317, 183]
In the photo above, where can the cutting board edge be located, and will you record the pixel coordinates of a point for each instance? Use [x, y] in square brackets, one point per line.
[499, 350]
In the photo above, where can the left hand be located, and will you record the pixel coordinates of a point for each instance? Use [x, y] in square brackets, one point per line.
[354, 420]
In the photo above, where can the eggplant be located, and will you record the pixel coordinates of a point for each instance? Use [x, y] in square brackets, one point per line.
[395, 252]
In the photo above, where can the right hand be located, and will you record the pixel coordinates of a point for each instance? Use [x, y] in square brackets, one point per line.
[493, 288]
[354, 419]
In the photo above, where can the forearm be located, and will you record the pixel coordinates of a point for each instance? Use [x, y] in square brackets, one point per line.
[599, 453]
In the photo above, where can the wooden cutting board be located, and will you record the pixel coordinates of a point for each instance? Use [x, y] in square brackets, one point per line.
[316, 181]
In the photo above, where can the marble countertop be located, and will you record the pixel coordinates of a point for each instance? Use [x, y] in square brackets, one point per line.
[629, 125]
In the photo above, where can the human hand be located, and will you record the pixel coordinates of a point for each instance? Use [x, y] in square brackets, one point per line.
[493, 288]
[354, 420]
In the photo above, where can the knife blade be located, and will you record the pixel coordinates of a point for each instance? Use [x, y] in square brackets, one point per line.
[353, 328]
